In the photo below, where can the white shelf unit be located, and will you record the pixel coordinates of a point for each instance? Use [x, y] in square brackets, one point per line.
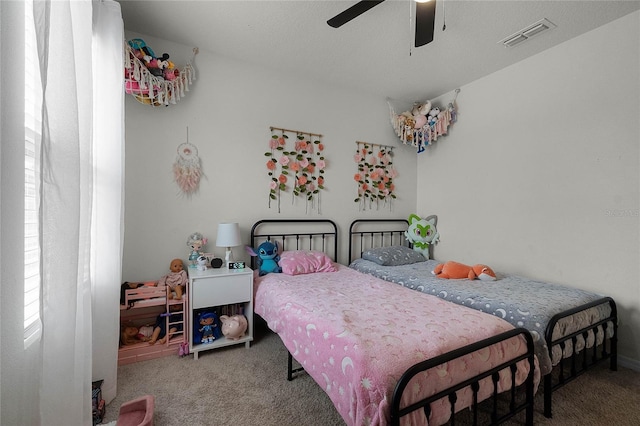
[219, 287]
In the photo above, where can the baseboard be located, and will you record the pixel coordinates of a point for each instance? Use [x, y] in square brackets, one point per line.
[632, 364]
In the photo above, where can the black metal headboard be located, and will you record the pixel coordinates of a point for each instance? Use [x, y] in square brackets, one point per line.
[297, 234]
[369, 233]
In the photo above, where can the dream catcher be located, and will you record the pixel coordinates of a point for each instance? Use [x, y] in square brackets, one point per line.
[186, 169]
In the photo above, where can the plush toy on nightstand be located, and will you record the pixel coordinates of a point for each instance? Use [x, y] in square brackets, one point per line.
[176, 279]
[202, 263]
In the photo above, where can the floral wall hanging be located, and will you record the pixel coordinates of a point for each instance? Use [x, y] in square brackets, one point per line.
[153, 80]
[422, 126]
[186, 168]
[297, 167]
[375, 175]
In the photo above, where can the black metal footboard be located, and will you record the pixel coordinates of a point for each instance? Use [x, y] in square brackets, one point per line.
[578, 363]
[514, 406]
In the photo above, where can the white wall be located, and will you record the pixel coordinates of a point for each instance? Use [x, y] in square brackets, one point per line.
[229, 111]
[540, 176]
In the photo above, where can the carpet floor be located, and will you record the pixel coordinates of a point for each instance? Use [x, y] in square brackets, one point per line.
[239, 386]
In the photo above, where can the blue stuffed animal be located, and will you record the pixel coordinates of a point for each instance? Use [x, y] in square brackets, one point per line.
[268, 257]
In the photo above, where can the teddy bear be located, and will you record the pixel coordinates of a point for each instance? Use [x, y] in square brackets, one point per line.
[455, 270]
[176, 279]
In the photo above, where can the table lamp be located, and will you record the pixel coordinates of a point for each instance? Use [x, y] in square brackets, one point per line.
[228, 236]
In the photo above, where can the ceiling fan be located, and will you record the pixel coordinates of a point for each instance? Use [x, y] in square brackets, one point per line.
[425, 18]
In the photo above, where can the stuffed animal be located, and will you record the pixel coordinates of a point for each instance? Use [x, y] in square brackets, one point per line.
[420, 112]
[170, 72]
[422, 233]
[268, 257]
[455, 270]
[433, 116]
[421, 108]
[176, 279]
[202, 263]
[233, 327]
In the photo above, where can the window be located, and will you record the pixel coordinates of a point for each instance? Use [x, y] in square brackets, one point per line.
[32, 127]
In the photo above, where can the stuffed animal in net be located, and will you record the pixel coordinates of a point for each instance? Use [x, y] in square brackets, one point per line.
[176, 279]
[268, 257]
[455, 270]
[422, 233]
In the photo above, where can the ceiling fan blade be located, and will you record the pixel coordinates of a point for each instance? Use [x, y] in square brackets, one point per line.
[353, 12]
[425, 22]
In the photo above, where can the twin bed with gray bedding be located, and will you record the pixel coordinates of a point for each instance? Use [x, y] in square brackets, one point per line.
[559, 318]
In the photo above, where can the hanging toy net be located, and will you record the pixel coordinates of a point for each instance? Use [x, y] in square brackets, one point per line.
[153, 80]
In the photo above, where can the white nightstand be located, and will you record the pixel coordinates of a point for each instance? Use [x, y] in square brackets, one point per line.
[220, 287]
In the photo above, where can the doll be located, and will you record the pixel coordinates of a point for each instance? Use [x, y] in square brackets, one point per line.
[196, 241]
[131, 335]
[176, 279]
[208, 323]
[160, 334]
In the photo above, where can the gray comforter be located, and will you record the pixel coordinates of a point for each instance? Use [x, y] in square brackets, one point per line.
[522, 302]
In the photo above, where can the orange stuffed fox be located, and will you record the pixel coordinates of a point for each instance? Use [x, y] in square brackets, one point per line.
[455, 270]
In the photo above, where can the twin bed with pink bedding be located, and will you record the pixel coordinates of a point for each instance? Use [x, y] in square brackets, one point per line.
[379, 350]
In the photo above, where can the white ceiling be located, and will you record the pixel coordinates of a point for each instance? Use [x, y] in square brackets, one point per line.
[374, 52]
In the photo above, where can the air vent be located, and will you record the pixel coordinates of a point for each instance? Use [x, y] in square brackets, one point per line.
[527, 32]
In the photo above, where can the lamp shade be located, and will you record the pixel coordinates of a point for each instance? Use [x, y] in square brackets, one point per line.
[228, 235]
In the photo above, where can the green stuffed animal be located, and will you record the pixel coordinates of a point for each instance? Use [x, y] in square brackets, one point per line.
[422, 233]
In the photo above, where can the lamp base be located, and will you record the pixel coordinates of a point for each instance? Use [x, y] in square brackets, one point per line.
[228, 256]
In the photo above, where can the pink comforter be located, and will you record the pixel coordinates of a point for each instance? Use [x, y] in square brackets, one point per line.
[356, 334]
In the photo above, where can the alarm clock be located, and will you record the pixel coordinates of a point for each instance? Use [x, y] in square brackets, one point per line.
[216, 263]
[236, 265]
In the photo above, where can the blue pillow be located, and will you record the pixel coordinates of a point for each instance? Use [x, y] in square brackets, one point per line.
[393, 256]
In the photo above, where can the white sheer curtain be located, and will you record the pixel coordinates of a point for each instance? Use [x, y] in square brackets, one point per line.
[81, 200]
[108, 212]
